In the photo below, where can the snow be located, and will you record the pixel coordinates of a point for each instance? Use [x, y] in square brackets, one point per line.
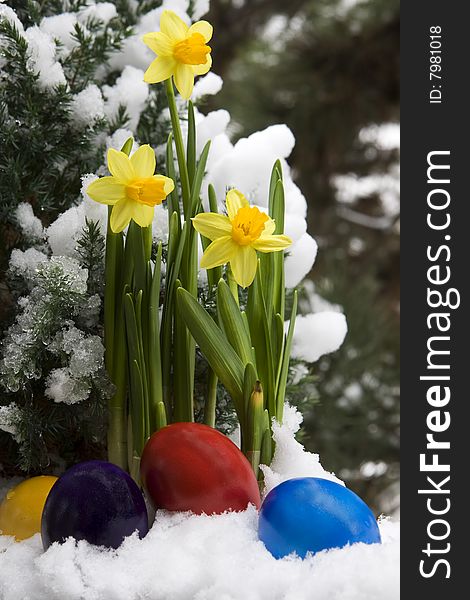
[61, 27]
[102, 11]
[247, 166]
[385, 136]
[31, 227]
[87, 106]
[300, 259]
[208, 127]
[62, 387]
[130, 91]
[7, 13]
[25, 263]
[318, 334]
[9, 416]
[42, 58]
[290, 458]
[63, 233]
[209, 85]
[160, 224]
[219, 557]
[200, 8]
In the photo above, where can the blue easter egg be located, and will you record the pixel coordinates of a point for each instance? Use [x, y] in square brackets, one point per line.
[309, 514]
[94, 501]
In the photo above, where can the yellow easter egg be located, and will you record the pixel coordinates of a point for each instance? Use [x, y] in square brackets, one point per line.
[21, 509]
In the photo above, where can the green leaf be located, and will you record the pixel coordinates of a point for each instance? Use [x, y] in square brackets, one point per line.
[213, 205]
[255, 426]
[281, 386]
[249, 380]
[154, 353]
[218, 352]
[183, 367]
[137, 415]
[128, 146]
[231, 322]
[267, 442]
[198, 178]
[260, 328]
[161, 415]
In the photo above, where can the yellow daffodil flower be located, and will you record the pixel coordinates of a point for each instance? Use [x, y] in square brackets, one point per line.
[182, 52]
[237, 237]
[132, 188]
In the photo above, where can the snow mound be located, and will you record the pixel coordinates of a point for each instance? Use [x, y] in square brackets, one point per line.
[290, 458]
[218, 557]
[318, 334]
[187, 557]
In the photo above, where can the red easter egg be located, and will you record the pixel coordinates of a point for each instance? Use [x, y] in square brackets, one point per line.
[189, 466]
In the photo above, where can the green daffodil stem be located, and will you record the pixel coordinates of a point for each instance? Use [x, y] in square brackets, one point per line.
[115, 348]
[211, 399]
[180, 150]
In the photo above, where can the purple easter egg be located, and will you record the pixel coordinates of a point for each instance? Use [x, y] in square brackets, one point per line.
[94, 501]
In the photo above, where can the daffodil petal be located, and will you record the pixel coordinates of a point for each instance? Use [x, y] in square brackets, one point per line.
[203, 69]
[106, 190]
[184, 80]
[218, 253]
[168, 183]
[202, 27]
[234, 201]
[272, 243]
[159, 43]
[143, 161]
[160, 69]
[142, 214]
[244, 264]
[120, 166]
[121, 215]
[269, 228]
[212, 225]
[172, 26]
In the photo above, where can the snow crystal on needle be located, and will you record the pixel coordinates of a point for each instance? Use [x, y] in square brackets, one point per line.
[103, 11]
[10, 415]
[10, 15]
[318, 334]
[25, 263]
[42, 58]
[61, 27]
[130, 91]
[63, 233]
[87, 106]
[290, 458]
[30, 225]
